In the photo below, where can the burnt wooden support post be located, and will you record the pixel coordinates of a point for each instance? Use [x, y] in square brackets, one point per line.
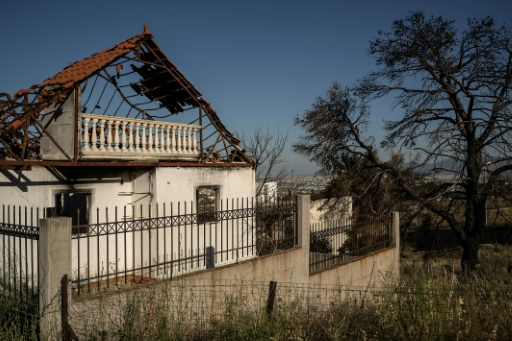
[272, 288]
[54, 263]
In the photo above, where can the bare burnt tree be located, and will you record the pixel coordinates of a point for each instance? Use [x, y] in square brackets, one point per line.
[454, 89]
[372, 190]
[335, 127]
[266, 149]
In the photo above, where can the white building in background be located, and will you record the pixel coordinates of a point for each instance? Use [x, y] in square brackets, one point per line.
[342, 210]
[268, 191]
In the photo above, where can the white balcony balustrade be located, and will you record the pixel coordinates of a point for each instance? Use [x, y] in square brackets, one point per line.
[111, 137]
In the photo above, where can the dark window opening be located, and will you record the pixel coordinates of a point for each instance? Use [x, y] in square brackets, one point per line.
[207, 199]
[76, 206]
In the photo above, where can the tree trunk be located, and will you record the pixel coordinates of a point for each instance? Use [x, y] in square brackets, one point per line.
[470, 254]
[474, 228]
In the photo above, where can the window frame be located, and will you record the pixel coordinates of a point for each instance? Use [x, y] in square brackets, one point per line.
[208, 215]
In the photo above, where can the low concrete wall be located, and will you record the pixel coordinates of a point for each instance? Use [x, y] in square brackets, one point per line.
[213, 287]
[279, 267]
[370, 270]
[211, 293]
[284, 267]
[287, 267]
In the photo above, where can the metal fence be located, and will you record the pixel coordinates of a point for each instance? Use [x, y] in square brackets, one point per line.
[175, 239]
[339, 241]
[19, 236]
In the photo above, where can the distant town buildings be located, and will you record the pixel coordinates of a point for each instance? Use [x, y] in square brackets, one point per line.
[303, 184]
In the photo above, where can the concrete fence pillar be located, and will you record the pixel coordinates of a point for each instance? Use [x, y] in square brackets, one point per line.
[303, 228]
[395, 229]
[395, 240]
[54, 263]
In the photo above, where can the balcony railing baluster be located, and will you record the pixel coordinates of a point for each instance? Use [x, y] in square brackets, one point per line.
[109, 137]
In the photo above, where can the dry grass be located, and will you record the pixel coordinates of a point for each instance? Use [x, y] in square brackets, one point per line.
[432, 300]
[16, 323]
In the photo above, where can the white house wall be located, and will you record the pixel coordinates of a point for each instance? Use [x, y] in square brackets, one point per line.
[231, 183]
[110, 188]
[136, 189]
[37, 187]
[172, 183]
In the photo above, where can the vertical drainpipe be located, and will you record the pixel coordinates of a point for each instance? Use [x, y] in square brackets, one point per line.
[75, 137]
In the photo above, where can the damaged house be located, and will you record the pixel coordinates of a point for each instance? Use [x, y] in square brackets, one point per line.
[122, 126]
[122, 129]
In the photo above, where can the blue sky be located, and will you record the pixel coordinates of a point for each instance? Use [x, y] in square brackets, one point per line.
[259, 63]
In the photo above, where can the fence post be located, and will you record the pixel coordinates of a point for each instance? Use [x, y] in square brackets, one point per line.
[394, 234]
[272, 288]
[54, 263]
[303, 208]
[303, 230]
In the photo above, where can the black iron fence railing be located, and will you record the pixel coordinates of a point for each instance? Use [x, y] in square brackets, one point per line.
[339, 241]
[19, 267]
[132, 245]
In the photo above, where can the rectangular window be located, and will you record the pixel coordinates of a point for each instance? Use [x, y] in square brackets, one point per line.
[207, 201]
[74, 205]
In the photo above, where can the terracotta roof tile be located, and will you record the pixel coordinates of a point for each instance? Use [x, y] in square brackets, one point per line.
[82, 69]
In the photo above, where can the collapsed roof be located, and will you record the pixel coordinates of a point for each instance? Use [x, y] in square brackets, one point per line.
[133, 79]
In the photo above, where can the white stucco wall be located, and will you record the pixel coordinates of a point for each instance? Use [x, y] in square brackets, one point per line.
[172, 183]
[119, 187]
[134, 189]
[37, 187]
